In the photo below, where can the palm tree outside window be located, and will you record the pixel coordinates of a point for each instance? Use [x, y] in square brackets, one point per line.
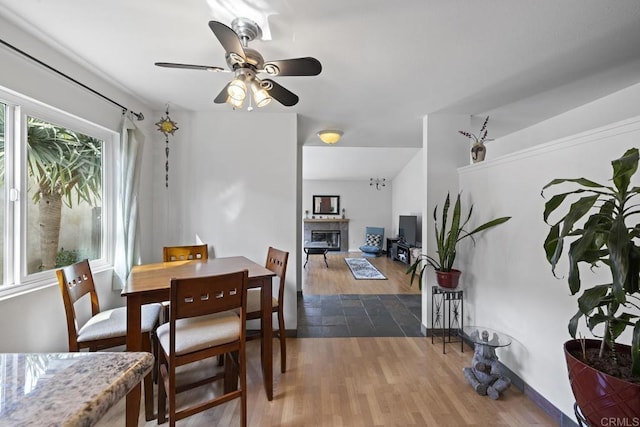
[63, 174]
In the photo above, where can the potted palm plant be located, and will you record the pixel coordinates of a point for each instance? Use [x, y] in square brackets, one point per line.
[446, 241]
[599, 225]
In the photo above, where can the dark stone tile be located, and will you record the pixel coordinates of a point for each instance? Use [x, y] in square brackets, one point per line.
[362, 331]
[412, 330]
[405, 319]
[359, 321]
[383, 320]
[310, 320]
[416, 311]
[309, 331]
[410, 300]
[309, 311]
[352, 303]
[335, 331]
[376, 310]
[359, 315]
[311, 302]
[354, 311]
[389, 331]
[332, 311]
[333, 320]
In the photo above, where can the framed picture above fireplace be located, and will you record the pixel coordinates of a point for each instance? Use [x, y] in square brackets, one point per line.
[326, 205]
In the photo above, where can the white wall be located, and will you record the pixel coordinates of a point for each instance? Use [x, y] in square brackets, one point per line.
[365, 206]
[407, 199]
[508, 282]
[443, 153]
[34, 321]
[232, 185]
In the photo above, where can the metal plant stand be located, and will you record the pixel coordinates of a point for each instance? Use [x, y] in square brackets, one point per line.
[447, 309]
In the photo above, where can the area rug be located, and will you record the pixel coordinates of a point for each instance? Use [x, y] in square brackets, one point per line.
[362, 269]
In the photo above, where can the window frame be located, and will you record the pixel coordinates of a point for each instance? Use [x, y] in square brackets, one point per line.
[17, 109]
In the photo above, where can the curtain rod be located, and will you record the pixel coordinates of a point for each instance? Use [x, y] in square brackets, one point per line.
[139, 116]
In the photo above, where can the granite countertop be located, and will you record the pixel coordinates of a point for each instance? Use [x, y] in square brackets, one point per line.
[66, 389]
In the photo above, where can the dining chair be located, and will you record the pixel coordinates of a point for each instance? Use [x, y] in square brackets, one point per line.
[276, 262]
[105, 329]
[203, 325]
[183, 253]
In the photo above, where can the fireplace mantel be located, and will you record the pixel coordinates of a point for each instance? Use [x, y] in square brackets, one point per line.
[326, 220]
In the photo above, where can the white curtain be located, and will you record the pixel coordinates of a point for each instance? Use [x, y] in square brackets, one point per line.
[127, 251]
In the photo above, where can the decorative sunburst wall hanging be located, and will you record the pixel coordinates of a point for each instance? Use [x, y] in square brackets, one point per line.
[167, 127]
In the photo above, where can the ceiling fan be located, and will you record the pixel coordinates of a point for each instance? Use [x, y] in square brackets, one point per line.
[247, 64]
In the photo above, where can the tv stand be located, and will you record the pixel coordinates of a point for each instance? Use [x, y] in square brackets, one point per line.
[401, 252]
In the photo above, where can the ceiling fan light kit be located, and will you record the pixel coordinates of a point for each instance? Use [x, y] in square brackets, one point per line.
[330, 136]
[247, 63]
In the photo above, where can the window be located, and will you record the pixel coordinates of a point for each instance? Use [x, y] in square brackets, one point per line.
[56, 191]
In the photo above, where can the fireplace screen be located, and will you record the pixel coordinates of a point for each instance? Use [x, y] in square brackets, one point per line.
[330, 237]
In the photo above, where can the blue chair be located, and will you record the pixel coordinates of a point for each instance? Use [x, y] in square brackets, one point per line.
[373, 241]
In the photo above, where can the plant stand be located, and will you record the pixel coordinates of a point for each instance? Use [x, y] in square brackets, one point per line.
[447, 309]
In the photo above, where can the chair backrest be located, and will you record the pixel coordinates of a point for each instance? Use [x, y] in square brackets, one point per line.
[277, 262]
[76, 281]
[200, 296]
[183, 253]
[374, 231]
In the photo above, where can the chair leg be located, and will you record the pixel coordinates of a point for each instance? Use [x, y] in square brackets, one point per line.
[148, 380]
[283, 343]
[242, 362]
[162, 391]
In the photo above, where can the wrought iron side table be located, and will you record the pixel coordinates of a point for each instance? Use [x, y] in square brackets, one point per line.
[447, 309]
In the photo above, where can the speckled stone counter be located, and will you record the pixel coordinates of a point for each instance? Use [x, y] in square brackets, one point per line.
[66, 389]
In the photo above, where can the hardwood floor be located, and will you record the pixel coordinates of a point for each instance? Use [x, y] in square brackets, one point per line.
[355, 382]
[364, 381]
[337, 278]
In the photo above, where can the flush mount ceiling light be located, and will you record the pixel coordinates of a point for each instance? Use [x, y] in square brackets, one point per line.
[330, 136]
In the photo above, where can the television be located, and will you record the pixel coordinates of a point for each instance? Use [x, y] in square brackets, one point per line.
[408, 229]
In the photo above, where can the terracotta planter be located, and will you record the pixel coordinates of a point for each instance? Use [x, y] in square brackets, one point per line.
[448, 279]
[601, 397]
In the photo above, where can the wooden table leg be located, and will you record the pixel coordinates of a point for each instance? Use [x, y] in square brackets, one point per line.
[134, 343]
[267, 337]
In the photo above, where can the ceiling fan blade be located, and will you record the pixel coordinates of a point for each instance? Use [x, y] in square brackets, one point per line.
[307, 66]
[280, 94]
[223, 95]
[189, 66]
[228, 39]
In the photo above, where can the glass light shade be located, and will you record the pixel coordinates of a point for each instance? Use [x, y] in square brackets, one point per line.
[260, 96]
[234, 102]
[330, 136]
[237, 89]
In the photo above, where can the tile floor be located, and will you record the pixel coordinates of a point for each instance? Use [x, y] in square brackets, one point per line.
[324, 316]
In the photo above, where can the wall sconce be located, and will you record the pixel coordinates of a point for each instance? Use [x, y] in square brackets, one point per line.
[330, 136]
[378, 183]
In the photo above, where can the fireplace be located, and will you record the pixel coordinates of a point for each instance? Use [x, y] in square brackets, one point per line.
[333, 230]
[330, 237]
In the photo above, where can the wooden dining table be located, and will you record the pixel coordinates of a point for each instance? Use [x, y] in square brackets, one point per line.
[150, 283]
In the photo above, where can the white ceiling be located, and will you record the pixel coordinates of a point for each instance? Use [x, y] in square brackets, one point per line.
[385, 64]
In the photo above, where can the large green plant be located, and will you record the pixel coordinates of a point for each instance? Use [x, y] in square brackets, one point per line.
[604, 238]
[447, 239]
[66, 167]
